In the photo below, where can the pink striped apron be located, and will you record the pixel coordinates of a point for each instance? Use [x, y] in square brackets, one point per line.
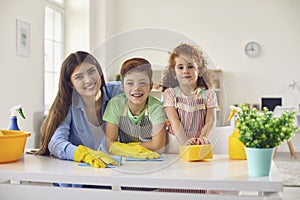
[191, 112]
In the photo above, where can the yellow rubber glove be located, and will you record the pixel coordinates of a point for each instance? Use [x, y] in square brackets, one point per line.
[132, 149]
[97, 159]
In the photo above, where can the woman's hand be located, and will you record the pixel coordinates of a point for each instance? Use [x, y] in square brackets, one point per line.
[97, 159]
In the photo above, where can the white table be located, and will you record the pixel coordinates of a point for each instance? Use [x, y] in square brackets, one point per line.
[31, 178]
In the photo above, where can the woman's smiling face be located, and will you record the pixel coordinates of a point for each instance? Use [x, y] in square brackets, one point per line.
[137, 87]
[86, 80]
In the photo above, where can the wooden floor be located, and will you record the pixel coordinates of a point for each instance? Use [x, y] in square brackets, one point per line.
[290, 193]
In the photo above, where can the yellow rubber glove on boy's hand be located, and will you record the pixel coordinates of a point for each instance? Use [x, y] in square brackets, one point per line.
[132, 149]
[97, 159]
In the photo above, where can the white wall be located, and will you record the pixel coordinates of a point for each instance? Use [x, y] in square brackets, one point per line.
[77, 27]
[222, 28]
[21, 79]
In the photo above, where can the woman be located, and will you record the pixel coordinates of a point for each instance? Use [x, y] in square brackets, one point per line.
[74, 128]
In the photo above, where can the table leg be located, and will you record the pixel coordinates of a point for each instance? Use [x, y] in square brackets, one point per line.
[293, 153]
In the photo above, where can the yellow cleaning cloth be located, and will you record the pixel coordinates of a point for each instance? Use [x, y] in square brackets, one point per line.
[196, 152]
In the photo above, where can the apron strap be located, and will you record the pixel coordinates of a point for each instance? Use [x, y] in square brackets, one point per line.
[202, 94]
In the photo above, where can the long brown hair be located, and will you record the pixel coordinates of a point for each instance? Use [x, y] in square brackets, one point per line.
[204, 78]
[63, 99]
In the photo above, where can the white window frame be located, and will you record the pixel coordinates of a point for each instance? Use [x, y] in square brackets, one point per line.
[54, 72]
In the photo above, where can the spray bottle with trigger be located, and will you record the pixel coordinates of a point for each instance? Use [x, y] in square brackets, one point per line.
[236, 148]
[13, 125]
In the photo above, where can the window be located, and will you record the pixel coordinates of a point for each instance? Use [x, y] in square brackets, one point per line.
[53, 48]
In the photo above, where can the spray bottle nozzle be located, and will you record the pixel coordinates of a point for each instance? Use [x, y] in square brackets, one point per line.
[17, 109]
[234, 110]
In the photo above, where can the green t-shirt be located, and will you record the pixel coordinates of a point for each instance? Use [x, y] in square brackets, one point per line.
[116, 105]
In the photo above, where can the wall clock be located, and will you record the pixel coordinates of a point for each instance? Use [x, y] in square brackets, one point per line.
[252, 49]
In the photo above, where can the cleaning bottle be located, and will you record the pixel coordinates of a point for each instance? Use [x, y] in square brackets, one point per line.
[13, 125]
[236, 148]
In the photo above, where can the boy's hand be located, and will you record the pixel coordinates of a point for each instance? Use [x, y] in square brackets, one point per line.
[132, 149]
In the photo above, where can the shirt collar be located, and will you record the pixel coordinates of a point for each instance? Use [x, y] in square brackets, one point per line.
[77, 101]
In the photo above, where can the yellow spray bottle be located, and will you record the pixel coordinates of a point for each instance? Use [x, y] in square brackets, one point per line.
[236, 148]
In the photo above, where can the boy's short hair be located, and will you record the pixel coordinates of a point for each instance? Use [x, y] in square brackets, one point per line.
[136, 64]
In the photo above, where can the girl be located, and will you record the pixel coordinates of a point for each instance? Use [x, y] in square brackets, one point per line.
[189, 102]
[135, 120]
[73, 128]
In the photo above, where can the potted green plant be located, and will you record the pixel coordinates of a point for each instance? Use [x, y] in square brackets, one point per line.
[261, 132]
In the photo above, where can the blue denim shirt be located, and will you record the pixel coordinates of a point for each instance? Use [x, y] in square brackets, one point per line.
[75, 129]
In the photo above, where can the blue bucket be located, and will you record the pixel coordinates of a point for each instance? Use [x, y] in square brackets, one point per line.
[259, 161]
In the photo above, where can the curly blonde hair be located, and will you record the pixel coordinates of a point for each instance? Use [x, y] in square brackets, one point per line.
[204, 78]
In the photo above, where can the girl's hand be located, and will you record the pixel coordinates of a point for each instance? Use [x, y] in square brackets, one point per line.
[193, 141]
[198, 141]
[203, 140]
